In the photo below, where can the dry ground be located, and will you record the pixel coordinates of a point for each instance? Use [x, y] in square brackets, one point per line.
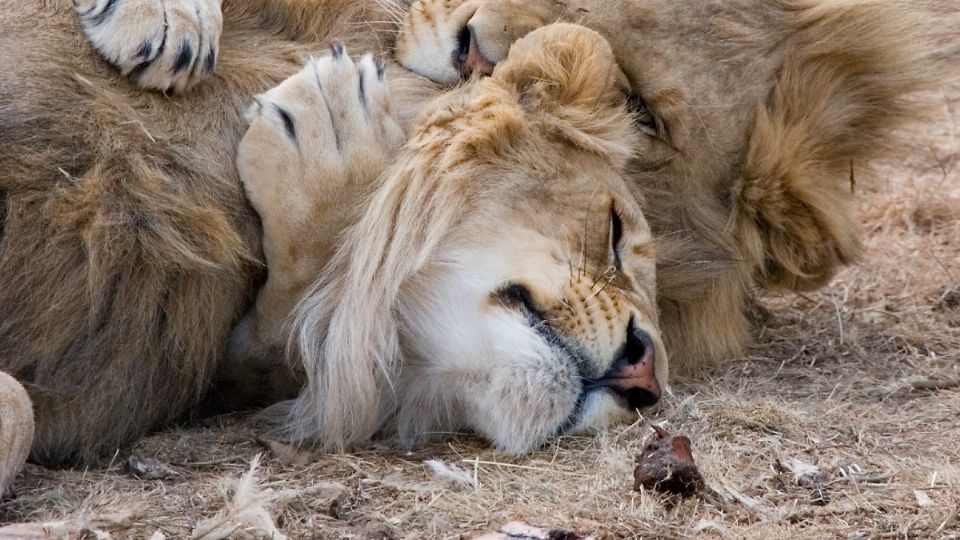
[858, 380]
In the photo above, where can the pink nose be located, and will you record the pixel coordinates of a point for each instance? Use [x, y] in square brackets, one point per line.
[470, 58]
[633, 375]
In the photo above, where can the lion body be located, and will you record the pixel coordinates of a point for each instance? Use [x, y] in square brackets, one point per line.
[128, 251]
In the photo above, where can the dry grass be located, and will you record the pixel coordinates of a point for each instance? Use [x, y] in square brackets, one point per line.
[859, 380]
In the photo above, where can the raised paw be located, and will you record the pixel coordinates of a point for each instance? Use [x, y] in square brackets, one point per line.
[166, 45]
[322, 130]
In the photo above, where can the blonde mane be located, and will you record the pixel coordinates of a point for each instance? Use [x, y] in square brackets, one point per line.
[344, 329]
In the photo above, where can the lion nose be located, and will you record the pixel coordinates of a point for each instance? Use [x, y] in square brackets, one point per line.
[469, 57]
[633, 375]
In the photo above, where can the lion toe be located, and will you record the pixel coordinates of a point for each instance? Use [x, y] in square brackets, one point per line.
[166, 45]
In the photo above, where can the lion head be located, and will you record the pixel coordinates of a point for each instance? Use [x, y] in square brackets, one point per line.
[502, 277]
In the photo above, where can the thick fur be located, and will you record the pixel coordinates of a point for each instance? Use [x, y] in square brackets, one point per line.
[833, 110]
[128, 252]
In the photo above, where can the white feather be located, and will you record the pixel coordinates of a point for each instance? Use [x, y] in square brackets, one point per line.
[246, 515]
[451, 473]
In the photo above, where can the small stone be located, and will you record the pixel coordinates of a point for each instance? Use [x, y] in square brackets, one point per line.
[149, 469]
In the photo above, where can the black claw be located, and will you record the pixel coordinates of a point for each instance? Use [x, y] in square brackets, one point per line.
[140, 68]
[288, 123]
[184, 58]
[210, 61]
[105, 13]
[337, 48]
[363, 91]
[144, 52]
[381, 68]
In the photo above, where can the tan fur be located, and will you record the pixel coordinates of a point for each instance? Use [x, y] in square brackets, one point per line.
[832, 111]
[764, 107]
[306, 189]
[16, 429]
[128, 252]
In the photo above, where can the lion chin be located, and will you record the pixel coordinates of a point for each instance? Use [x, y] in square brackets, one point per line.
[497, 298]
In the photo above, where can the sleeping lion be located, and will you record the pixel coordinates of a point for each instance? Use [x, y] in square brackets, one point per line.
[129, 252]
[464, 295]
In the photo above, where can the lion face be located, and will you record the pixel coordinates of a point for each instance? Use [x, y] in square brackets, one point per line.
[502, 279]
[536, 317]
[537, 313]
[745, 118]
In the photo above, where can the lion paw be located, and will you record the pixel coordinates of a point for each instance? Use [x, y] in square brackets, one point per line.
[166, 45]
[326, 127]
[316, 144]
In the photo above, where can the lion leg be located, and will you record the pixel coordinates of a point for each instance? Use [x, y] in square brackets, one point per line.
[167, 45]
[315, 145]
[16, 429]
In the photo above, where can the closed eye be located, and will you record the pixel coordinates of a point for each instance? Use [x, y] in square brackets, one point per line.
[643, 116]
[616, 237]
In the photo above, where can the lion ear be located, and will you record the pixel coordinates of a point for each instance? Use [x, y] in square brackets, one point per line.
[567, 76]
[564, 63]
[843, 92]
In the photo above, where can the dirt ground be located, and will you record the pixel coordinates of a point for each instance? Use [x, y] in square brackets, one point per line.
[843, 421]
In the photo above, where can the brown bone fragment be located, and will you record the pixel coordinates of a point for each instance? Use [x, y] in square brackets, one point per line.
[666, 464]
